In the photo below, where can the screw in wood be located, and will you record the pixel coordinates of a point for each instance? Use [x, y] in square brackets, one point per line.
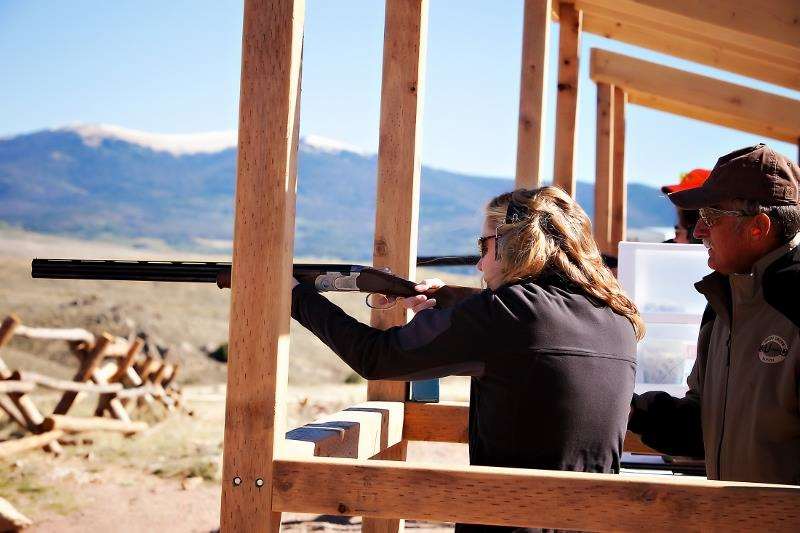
[237, 481]
[259, 483]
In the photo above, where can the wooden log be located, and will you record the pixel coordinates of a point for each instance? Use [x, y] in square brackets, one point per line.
[604, 167]
[11, 385]
[33, 379]
[358, 432]
[698, 97]
[158, 376]
[7, 405]
[127, 362]
[86, 371]
[533, 92]
[12, 447]
[55, 334]
[171, 378]
[569, 46]
[708, 51]
[33, 419]
[148, 367]
[11, 519]
[619, 196]
[75, 424]
[142, 390]
[269, 112]
[7, 328]
[397, 209]
[530, 498]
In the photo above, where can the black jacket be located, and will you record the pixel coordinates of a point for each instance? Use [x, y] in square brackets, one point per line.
[552, 372]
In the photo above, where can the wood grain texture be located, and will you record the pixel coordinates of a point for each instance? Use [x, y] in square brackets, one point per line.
[269, 109]
[770, 29]
[698, 97]
[707, 51]
[436, 422]
[358, 432]
[397, 207]
[619, 195]
[533, 92]
[604, 167]
[569, 45]
[532, 498]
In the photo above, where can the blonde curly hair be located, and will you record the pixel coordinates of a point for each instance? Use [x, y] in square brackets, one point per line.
[556, 238]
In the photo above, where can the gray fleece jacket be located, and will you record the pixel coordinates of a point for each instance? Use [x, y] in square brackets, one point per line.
[742, 409]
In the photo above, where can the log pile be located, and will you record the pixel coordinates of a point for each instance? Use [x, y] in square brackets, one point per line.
[111, 369]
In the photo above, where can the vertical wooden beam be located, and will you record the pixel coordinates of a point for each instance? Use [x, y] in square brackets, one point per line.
[569, 46]
[620, 195]
[533, 92]
[604, 167]
[405, 44]
[397, 209]
[255, 410]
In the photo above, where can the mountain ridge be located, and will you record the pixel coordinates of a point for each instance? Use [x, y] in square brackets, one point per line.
[54, 181]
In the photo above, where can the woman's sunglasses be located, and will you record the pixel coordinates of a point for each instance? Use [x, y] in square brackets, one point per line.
[483, 244]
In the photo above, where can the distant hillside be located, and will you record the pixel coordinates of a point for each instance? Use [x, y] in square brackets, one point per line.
[101, 181]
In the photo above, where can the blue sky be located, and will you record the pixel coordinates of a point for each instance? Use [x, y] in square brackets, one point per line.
[173, 67]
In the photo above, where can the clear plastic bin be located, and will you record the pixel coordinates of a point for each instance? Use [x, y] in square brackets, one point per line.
[660, 277]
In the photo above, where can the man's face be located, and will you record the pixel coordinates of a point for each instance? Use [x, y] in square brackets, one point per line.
[726, 239]
[491, 268]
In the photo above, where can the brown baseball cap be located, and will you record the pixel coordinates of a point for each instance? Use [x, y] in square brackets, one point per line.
[755, 173]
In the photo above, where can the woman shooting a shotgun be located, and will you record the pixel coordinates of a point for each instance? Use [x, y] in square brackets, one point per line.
[550, 343]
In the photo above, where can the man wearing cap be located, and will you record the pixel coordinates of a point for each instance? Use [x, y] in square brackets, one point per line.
[741, 411]
[687, 218]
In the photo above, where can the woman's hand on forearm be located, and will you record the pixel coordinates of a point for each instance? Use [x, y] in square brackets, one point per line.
[421, 301]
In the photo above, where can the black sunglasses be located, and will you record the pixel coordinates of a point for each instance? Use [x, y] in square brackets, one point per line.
[483, 244]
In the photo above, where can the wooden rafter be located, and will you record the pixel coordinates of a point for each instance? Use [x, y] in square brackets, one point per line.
[698, 97]
[766, 33]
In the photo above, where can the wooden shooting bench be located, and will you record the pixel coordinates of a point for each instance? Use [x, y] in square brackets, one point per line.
[351, 463]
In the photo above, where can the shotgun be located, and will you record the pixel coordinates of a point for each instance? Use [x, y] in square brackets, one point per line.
[381, 286]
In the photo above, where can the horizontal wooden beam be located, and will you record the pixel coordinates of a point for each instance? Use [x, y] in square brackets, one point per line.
[530, 498]
[76, 424]
[758, 28]
[709, 52]
[358, 432]
[447, 422]
[11, 447]
[33, 379]
[11, 385]
[698, 97]
[56, 334]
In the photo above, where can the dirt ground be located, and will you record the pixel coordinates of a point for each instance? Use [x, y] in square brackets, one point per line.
[168, 477]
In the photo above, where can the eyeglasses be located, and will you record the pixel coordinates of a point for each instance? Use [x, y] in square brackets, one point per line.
[483, 244]
[711, 215]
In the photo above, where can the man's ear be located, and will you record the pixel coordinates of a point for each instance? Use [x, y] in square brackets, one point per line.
[760, 227]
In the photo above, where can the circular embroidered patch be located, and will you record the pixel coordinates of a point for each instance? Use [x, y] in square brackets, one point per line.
[773, 349]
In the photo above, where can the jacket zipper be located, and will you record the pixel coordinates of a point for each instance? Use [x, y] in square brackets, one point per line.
[724, 403]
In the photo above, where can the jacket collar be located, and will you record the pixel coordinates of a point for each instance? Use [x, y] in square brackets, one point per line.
[778, 273]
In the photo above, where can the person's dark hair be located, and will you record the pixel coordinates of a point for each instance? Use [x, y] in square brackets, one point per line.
[785, 217]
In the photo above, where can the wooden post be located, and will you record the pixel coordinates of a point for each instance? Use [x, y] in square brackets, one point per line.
[604, 167]
[405, 44]
[620, 194]
[269, 109]
[569, 45]
[397, 209]
[119, 375]
[533, 92]
[10, 323]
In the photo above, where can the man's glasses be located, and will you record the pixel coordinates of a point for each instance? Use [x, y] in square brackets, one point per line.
[711, 215]
[483, 244]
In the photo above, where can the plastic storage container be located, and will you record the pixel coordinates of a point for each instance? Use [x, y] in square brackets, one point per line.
[660, 278]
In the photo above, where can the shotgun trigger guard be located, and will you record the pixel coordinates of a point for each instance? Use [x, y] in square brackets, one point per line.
[336, 281]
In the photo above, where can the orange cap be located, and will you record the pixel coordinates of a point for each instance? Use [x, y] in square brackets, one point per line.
[690, 180]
